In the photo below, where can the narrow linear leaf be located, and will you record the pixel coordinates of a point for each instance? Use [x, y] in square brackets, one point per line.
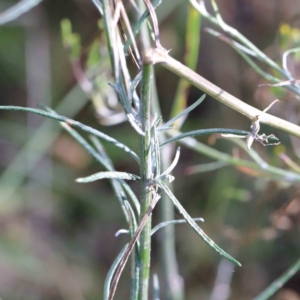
[131, 195]
[278, 283]
[17, 10]
[136, 28]
[132, 218]
[74, 124]
[119, 88]
[129, 249]
[136, 258]
[285, 56]
[173, 164]
[98, 4]
[164, 224]
[276, 173]
[119, 192]
[185, 112]
[109, 166]
[156, 149]
[230, 41]
[133, 86]
[122, 231]
[204, 132]
[194, 225]
[126, 103]
[110, 175]
[117, 185]
[111, 272]
[245, 53]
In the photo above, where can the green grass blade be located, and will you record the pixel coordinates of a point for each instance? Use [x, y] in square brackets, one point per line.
[111, 272]
[194, 225]
[108, 175]
[75, 124]
[278, 283]
[192, 46]
[204, 132]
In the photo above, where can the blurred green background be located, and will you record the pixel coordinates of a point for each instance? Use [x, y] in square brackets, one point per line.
[57, 236]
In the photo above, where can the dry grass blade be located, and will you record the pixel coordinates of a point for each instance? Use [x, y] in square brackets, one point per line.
[154, 22]
[121, 12]
[130, 247]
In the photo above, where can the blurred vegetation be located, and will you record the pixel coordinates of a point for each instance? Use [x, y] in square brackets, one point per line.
[58, 236]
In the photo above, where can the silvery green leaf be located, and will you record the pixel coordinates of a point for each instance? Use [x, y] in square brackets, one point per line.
[249, 141]
[194, 225]
[183, 113]
[104, 175]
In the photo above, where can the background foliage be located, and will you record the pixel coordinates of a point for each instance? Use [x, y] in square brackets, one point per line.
[57, 236]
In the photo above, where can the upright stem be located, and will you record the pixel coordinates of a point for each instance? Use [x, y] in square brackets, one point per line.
[146, 176]
[172, 281]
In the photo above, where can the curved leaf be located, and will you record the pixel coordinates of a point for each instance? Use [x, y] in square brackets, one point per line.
[110, 175]
[205, 131]
[73, 123]
[194, 225]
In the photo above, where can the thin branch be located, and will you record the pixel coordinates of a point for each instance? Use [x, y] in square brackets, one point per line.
[162, 56]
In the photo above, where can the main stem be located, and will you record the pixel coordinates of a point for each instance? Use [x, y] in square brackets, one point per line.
[146, 176]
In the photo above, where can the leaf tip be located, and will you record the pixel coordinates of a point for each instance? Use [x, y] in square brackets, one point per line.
[79, 180]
